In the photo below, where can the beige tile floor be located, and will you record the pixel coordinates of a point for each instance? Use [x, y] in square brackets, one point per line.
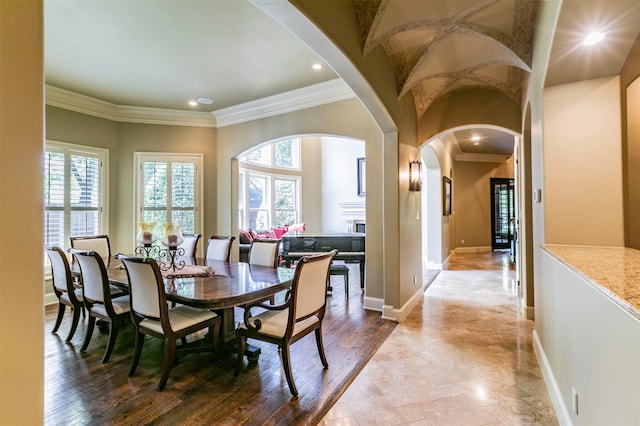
[464, 356]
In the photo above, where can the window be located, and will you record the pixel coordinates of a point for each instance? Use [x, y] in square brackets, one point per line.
[169, 189]
[268, 199]
[271, 200]
[75, 180]
[284, 154]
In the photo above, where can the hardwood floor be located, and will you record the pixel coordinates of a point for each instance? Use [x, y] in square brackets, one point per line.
[202, 390]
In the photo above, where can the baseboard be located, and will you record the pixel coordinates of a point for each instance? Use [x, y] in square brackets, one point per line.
[480, 249]
[400, 314]
[373, 304]
[530, 312]
[562, 413]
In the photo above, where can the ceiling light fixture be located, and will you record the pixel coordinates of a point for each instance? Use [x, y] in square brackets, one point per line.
[193, 103]
[205, 101]
[593, 38]
[316, 66]
[475, 138]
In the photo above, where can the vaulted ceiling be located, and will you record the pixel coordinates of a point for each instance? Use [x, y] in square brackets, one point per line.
[438, 47]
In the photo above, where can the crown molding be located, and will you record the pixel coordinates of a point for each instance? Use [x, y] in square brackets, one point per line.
[295, 100]
[306, 97]
[73, 101]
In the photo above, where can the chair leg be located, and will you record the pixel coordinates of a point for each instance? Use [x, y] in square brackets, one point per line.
[170, 353]
[113, 333]
[286, 363]
[323, 358]
[241, 344]
[137, 351]
[87, 337]
[74, 323]
[61, 308]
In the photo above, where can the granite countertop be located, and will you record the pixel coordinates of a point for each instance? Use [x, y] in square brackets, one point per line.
[614, 271]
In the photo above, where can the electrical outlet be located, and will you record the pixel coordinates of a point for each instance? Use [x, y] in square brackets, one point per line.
[415, 280]
[575, 401]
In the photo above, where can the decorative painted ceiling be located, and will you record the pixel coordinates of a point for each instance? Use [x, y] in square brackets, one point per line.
[439, 47]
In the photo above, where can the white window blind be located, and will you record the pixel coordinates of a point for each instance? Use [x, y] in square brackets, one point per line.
[169, 189]
[74, 192]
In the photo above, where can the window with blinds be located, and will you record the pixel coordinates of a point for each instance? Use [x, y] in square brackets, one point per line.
[169, 189]
[74, 192]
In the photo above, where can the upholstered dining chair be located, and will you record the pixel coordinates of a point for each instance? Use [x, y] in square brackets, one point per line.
[219, 247]
[98, 299]
[265, 252]
[152, 316]
[64, 289]
[190, 244]
[300, 314]
[98, 243]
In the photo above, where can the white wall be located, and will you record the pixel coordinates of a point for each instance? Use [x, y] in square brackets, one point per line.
[339, 180]
[587, 342]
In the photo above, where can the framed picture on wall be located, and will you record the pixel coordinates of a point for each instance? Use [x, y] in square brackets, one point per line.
[446, 196]
[361, 177]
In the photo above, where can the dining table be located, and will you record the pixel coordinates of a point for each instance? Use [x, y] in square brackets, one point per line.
[216, 285]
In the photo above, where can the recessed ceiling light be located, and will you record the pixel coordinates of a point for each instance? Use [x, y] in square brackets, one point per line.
[316, 66]
[205, 101]
[475, 138]
[593, 38]
[193, 103]
[476, 143]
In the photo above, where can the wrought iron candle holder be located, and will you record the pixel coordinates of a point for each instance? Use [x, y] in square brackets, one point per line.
[168, 258]
[171, 238]
[147, 236]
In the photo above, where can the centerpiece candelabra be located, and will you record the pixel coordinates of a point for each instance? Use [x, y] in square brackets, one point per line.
[147, 236]
[171, 238]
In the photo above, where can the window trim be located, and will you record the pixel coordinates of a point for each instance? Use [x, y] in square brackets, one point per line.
[140, 158]
[244, 159]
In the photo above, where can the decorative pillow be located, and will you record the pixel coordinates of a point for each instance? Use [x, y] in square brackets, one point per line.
[245, 237]
[270, 234]
[279, 232]
[297, 227]
[253, 234]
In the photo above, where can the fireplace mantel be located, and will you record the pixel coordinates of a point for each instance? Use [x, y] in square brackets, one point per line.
[354, 213]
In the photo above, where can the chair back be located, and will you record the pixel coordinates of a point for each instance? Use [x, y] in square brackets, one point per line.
[264, 252]
[98, 243]
[94, 279]
[219, 247]
[190, 244]
[60, 270]
[146, 287]
[309, 288]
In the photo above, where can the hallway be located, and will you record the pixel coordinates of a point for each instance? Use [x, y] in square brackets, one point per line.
[464, 356]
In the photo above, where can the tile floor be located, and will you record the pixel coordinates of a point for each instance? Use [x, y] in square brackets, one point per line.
[464, 356]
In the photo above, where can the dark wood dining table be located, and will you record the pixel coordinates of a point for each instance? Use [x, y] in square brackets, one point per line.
[230, 284]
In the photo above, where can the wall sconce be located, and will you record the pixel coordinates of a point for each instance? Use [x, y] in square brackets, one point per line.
[415, 176]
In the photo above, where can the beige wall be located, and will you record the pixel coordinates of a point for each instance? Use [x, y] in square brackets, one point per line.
[472, 200]
[21, 148]
[630, 105]
[583, 163]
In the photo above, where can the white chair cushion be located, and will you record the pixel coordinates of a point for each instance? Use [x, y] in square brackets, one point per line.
[78, 293]
[274, 323]
[180, 318]
[120, 306]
